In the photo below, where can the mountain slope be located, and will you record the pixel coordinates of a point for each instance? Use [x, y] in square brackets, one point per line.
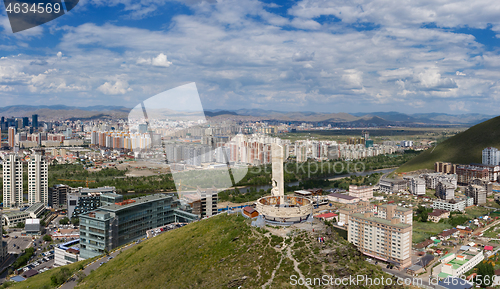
[463, 148]
[225, 252]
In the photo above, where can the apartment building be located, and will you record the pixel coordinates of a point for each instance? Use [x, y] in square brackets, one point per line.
[117, 224]
[416, 185]
[445, 168]
[467, 173]
[456, 204]
[491, 156]
[203, 202]
[38, 180]
[12, 181]
[404, 214]
[363, 192]
[433, 179]
[388, 185]
[445, 190]
[349, 209]
[478, 193]
[386, 239]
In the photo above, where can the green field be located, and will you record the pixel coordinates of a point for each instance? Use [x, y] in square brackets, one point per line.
[463, 148]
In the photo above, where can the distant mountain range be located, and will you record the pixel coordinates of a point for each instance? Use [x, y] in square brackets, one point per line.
[62, 112]
[360, 118]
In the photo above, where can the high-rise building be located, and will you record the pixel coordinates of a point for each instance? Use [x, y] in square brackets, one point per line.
[12, 181]
[491, 156]
[38, 191]
[58, 195]
[12, 135]
[385, 238]
[34, 121]
[26, 121]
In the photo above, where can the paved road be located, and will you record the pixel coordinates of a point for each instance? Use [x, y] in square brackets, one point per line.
[73, 282]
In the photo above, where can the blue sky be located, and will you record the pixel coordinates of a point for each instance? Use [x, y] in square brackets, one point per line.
[311, 55]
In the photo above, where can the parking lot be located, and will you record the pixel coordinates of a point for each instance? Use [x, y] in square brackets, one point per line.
[42, 264]
[17, 245]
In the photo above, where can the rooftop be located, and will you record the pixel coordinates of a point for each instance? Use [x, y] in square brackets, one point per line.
[382, 221]
[342, 196]
[137, 201]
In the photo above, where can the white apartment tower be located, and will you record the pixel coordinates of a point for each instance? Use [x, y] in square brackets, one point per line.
[491, 156]
[12, 181]
[38, 180]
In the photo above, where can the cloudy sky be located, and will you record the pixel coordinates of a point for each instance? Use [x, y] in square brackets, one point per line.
[309, 55]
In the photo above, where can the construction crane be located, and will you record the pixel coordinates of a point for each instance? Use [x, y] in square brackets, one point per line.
[86, 181]
[180, 186]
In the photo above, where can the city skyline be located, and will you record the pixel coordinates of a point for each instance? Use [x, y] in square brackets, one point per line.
[306, 55]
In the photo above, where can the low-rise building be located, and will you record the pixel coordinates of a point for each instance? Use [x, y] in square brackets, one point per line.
[34, 211]
[326, 216]
[389, 185]
[342, 198]
[32, 226]
[456, 204]
[250, 212]
[446, 234]
[457, 264]
[363, 192]
[67, 253]
[437, 214]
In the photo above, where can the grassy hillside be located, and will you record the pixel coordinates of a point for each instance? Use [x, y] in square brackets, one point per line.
[463, 148]
[225, 252]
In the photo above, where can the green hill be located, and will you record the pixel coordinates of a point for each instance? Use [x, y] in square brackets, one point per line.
[226, 252]
[463, 148]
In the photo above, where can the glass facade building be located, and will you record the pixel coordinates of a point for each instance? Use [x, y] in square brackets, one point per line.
[114, 225]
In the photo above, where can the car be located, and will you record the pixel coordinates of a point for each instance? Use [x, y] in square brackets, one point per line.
[14, 245]
[100, 264]
[110, 257]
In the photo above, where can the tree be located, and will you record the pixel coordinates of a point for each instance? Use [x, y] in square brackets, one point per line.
[75, 221]
[42, 223]
[485, 274]
[20, 225]
[64, 221]
[47, 238]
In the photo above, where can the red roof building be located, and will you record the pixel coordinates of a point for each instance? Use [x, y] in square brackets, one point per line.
[326, 216]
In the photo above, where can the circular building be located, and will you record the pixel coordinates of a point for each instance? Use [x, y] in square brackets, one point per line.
[284, 208]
